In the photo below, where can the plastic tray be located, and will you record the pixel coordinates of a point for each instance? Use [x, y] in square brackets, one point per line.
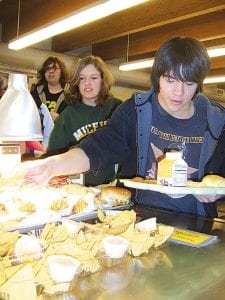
[37, 228]
[172, 189]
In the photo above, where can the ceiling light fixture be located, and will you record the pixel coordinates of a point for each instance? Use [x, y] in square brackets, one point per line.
[76, 19]
[214, 79]
[137, 64]
[216, 52]
[148, 62]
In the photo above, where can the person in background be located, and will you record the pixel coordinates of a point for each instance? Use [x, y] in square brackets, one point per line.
[3, 84]
[47, 126]
[171, 115]
[90, 106]
[52, 80]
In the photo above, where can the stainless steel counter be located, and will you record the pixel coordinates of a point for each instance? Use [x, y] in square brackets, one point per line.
[172, 272]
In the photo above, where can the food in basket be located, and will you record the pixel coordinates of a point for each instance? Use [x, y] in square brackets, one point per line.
[48, 232]
[75, 189]
[29, 204]
[83, 245]
[59, 204]
[18, 282]
[25, 204]
[85, 204]
[141, 242]
[41, 196]
[7, 242]
[79, 206]
[122, 218]
[98, 200]
[163, 233]
[115, 195]
[27, 207]
[91, 266]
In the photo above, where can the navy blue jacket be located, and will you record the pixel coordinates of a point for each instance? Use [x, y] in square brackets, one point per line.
[125, 139]
[216, 164]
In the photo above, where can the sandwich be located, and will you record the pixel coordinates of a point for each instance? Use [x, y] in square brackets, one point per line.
[115, 195]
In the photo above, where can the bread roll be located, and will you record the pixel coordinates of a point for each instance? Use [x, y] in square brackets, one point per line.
[138, 179]
[115, 195]
[143, 180]
[213, 181]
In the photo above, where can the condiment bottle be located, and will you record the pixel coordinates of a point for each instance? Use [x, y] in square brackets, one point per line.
[172, 170]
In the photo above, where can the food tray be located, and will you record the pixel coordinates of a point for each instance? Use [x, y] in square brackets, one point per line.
[37, 228]
[172, 189]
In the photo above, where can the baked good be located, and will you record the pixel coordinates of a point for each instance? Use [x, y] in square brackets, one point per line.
[75, 189]
[143, 180]
[213, 181]
[116, 195]
[138, 179]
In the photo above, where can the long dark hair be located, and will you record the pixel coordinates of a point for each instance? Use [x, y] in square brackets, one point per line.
[53, 60]
[185, 57]
[107, 80]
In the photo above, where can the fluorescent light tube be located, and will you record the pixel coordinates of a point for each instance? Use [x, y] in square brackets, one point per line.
[138, 64]
[214, 79]
[74, 20]
[216, 52]
[148, 63]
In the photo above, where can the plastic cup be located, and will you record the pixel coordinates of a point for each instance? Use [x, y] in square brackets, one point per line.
[63, 268]
[115, 246]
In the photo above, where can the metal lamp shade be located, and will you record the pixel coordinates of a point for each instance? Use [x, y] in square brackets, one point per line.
[19, 116]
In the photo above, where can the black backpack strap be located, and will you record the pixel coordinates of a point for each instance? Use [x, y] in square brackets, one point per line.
[36, 97]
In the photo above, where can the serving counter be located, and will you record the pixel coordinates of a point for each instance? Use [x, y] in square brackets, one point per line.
[171, 272]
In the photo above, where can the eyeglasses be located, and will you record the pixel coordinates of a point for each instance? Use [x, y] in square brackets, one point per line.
[53, 68]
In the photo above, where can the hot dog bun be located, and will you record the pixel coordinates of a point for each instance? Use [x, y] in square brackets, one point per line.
[213, 181]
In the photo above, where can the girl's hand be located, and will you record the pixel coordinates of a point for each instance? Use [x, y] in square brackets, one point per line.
[36, 171]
